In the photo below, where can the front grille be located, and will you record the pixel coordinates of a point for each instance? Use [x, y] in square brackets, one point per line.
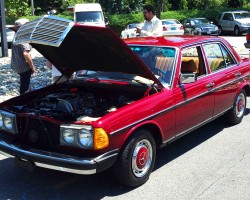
[47, 30]
[42, 135]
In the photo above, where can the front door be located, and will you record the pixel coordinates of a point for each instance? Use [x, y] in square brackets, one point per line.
[194, 99]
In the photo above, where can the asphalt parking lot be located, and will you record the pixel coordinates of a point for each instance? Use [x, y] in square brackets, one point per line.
[210, 163]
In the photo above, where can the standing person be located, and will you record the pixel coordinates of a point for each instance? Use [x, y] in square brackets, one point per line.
[55, 73]
[21, 61]
[152, 25]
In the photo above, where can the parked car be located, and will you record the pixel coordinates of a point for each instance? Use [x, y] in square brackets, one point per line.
[172, 27]
[199, 26]
[236, 22]
[132, 97]
[130, 30]
[10, 35]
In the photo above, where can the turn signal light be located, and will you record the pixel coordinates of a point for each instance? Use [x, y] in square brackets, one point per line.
[101, 139]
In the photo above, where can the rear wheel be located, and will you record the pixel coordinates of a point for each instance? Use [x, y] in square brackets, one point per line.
[236, 114]
[136, 160]
[237, 31]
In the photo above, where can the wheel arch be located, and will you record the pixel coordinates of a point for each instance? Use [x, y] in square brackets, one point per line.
[245, 87]
[152, 127]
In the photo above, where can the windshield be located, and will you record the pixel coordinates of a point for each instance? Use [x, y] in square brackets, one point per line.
[130, 26]
[92, 16]
[241, 15]
[160, 60]
[201, 21]
[168, 22]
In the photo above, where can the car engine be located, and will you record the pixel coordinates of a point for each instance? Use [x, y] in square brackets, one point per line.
[71, 106]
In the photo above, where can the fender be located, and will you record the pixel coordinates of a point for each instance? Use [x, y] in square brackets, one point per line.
[141, 125]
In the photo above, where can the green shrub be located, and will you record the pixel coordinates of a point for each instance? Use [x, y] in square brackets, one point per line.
[119, 22]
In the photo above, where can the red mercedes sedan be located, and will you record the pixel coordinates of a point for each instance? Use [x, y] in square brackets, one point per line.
[123, 99]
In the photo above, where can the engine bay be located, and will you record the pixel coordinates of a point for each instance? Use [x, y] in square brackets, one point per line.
[75, 104]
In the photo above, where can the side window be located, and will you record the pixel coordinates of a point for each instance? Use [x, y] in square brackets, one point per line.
[227, 57]
[227, 16]
[217, 57]
[192, 62]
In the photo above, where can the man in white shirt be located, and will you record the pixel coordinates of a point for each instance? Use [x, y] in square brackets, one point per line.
[152, 25]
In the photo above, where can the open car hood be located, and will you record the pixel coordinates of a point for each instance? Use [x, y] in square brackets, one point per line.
[72, 47]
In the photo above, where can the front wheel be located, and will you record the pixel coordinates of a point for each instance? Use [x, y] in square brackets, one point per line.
[220, 31]
[236, 114]
[136, 160]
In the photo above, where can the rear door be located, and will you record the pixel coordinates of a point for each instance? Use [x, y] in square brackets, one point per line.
[224, 73]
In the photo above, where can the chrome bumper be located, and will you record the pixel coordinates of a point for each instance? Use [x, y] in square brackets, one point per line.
[58, 161]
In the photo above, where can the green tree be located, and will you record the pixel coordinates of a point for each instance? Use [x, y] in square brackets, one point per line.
[183, 5]
[17, 8]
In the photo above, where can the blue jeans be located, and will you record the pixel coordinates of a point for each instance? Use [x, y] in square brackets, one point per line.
[25, 81]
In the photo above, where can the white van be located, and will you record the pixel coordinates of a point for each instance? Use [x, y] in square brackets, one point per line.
[89, 14]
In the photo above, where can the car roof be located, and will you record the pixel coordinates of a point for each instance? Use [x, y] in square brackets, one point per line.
[197, 18]
[174, 41]
[168, 19]
[236, 11]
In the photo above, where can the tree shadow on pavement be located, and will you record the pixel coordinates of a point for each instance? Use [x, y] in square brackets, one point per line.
[17, 183]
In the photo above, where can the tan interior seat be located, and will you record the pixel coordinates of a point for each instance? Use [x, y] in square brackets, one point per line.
[189, 66]
[164, 66]
[215, 63]
[164, 63]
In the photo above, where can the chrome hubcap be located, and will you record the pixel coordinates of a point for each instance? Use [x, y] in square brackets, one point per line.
[240, 105]
[142, 158]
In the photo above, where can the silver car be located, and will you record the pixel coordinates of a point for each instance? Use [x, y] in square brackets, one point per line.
[236, 22]
[10, 35]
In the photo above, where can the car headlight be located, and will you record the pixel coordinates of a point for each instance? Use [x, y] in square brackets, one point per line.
[198, 29]
[76, 135]
[216, 28]
[8, 122]
[68, 136]
[85, 138]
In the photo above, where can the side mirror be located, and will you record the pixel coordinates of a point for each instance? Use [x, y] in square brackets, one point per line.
[187, 78]
[106, 20]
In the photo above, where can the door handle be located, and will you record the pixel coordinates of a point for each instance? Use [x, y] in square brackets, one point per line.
[210, 85]
[237, 74]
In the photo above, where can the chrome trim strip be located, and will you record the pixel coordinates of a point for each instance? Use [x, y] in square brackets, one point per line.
[179, 104]
[58, 157]
[65, 169]
[195, 127]
[47, 30]
[223, 112]
[49, 156]
[187, 131]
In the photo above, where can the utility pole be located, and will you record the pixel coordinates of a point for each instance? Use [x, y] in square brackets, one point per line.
[32, 7]
[4, 45]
